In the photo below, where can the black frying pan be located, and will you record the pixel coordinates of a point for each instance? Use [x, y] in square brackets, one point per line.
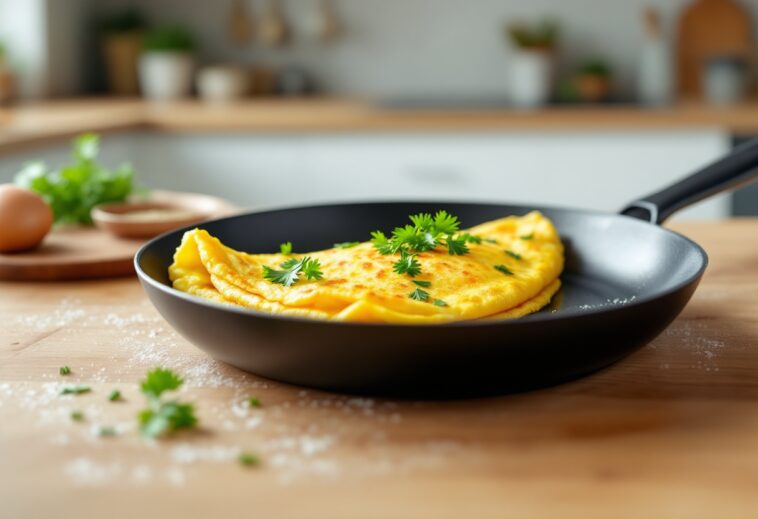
[625, 280]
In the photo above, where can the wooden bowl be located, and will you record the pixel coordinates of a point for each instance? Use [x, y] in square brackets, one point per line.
[160, 212]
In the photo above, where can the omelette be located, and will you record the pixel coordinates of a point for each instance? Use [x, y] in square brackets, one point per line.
[509, 268]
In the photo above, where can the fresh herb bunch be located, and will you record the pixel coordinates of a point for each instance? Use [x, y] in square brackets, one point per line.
[74, 189]
[164, 416]
[291, 270]
[169, 38]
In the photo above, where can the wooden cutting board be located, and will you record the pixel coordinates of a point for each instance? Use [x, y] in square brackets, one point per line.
[72, 253]
[709, 28]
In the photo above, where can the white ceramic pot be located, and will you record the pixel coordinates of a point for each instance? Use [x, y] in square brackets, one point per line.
[166, 75]
[531, 78]
[223, 83]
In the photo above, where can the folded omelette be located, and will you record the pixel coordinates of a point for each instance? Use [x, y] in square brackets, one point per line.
[510, 272]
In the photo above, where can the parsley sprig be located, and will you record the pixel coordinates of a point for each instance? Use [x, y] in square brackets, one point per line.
[290, 271]
[164, 416]
[426, 233]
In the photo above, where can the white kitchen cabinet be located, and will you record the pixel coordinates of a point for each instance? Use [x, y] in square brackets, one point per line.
[592, 170]
[589, 170]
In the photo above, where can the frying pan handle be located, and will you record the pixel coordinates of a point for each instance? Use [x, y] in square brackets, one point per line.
[740, 166]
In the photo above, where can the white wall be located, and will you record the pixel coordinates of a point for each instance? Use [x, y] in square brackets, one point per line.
[414, 47]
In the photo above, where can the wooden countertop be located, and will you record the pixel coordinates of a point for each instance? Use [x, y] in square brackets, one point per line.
[36, 123]
[670, 431]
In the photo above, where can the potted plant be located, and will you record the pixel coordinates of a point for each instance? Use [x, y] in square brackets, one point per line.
[531, 66]
[121, 37]
[593, 81]
[166, 64]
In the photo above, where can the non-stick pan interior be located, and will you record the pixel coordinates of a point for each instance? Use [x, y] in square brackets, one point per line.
[625, 280]
[610, 259]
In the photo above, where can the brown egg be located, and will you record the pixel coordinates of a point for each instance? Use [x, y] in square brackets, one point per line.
[25, 218]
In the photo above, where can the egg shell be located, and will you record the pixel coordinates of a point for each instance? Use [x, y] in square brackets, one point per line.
[25, 219]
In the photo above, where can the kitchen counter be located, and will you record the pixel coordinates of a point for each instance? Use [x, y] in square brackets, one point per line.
[41, 122]
[671, 430]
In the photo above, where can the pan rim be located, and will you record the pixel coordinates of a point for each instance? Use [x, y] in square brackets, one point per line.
[550, 317]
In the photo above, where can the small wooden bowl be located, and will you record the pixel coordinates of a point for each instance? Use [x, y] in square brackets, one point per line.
[162, 211]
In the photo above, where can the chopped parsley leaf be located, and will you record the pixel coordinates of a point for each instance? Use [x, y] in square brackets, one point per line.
[407, 264]
[64, 370]
[115, 395]
[286, 248]
[457, 245]
[75, 390]
[291, 270]
[419, 295]
[248, 459]
[164, 416]
[527, 236]
[160, 380]
[77, 416]
[490, 240]
[471, 238]
[513, 255]
[421, 283]
[439, 302]
[106, 431]
[346, 244]
[504, 269]
[254, 402]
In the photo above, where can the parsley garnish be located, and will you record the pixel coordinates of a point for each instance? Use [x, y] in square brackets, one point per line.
[504, 269]
[164, 416]
[291, 270]
[254, 402]
[471, 238]
[115, 395]
[248, 459]
[75, 390]
[286, 248]
[64, 370]
[490, 240]
[426, 234]
[419, 295]
[424, 284]
[527, 236]
[106, 431]
[159, 381]
[513, 255]
[77, 416]
[407, 264]
[439, 302]
[457, 245]
[382, 244]
[346, 244]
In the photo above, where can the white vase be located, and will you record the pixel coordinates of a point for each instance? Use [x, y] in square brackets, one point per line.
[531, 77]
[166, 75]
[222, 83]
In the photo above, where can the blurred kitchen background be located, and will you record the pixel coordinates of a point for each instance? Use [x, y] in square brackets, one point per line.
[580, 103]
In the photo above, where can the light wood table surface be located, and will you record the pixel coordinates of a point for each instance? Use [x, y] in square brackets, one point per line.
[672, 431]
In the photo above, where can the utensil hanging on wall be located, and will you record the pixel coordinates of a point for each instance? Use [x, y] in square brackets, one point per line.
[709, 28]
[241, 26]
[273, 30]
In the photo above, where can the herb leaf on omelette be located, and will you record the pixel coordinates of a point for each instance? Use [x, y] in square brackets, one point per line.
[291, 270]
[419, 295]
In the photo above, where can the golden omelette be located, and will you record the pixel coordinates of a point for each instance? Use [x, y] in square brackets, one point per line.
[513, 271]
